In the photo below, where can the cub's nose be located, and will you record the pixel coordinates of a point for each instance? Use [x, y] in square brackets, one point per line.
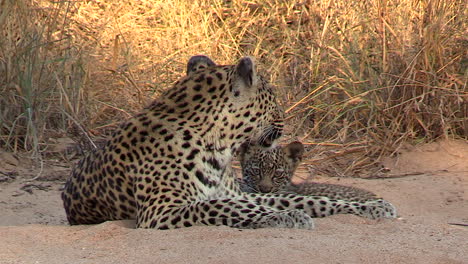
[265, 188]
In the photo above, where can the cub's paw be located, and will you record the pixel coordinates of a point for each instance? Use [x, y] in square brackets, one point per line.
[378, 209]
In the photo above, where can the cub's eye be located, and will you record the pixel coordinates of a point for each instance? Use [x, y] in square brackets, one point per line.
[277, 180]
[279, 173]
[255, 171]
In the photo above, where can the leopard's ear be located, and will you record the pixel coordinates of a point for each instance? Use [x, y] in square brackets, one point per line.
[294, 151]
[199, 62]
[246, 76]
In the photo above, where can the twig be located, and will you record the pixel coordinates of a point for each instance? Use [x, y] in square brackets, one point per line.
[39, 173]
[81, 128]
[458, 224]
[395, 176]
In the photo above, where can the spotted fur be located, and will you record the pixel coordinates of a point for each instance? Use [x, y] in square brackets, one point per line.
[170, 165]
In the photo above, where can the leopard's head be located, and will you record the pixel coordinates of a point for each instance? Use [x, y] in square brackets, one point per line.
[242, 103]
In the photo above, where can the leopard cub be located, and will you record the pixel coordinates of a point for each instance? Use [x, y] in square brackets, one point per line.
[271, 171]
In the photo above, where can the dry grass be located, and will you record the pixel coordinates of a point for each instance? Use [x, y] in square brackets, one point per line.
[360, 77]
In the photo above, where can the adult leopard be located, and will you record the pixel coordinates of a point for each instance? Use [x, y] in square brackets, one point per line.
[271, 171]
[170, 165]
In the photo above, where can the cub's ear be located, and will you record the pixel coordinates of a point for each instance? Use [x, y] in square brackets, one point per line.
[242, 151]
[199, 62]
[294, 151]
[246, 74]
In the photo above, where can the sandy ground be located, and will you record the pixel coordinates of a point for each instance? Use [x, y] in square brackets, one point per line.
[432, 228]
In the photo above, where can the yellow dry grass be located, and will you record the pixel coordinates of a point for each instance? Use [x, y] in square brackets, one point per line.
[366, 75]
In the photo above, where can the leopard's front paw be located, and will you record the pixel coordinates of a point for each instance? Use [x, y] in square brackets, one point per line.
[378, 209]
[285, 219]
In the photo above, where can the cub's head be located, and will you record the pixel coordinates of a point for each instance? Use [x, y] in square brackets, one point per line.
[237, 99]
[268, 170]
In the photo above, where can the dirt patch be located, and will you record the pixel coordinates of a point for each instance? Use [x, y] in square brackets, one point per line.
[442, 156]
[431, 228]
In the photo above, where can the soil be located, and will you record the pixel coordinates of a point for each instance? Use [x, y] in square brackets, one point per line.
[428, 185]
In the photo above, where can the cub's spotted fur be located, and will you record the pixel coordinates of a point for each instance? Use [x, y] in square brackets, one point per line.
[170, 165]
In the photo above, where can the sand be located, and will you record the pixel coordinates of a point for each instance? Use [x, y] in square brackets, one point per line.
[432, 225]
